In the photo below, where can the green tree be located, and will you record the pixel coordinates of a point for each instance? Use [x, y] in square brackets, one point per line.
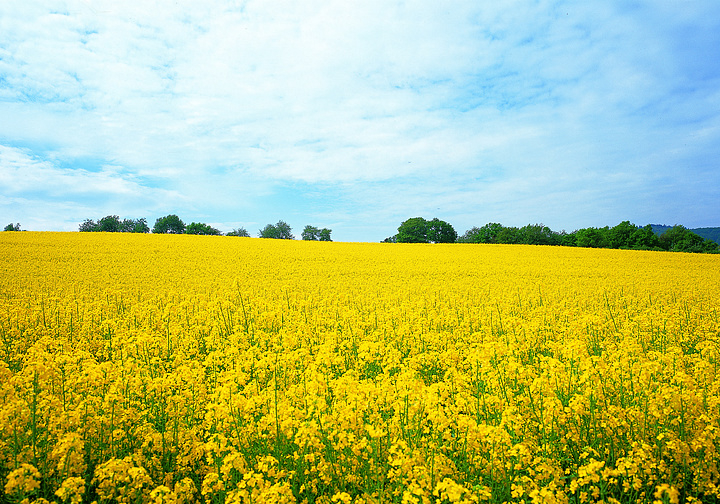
[310, 233]
[284, 230]
[680, 239]
[269, 231]
[113, 224]
[538, 234]
[140, 226]
[439, 231]
[110, 224]
[12, 227]
[324, 234]
[591, 237]
[413, 230]
[239, 232]
[88, 226]
[509, 235]
[489, 232]
[134, 226]
[486, 234]
[170, 224]
[567, 239]
[673, 237]
[313, 233]
[644, 238]
[280, 231]
[711, 246]
[200, 228]
[621, 236]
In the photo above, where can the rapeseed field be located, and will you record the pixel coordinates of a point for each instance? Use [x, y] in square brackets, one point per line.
[178, 369]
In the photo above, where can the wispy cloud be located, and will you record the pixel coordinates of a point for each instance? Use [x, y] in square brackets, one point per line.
[361, 114]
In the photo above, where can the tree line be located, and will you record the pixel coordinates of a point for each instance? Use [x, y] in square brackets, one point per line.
[419, 230]
[172, 224]
[623, 236]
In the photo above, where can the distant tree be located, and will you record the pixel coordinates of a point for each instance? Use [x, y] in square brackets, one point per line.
[680, 239]
[284, 230]
[439, 231]
[140, 226]
[591, 237]
[239, 232]
[672, 237]
[390, 239]
[644, 238]
[88, 225]
[110, 224]
[568, 239]
[280, 231]
[313, 233]
[538, 234]
[127, 225]
[489, 232]
[708, 233]
[509, 235]
[493, 232]
[134, 226]
[171, 224]
[324, 234]
[621, 236]
[200, 228]
[310, 233]
[413, 230]
[269, 231]
[472, 235]
[113, 224]
[12, 227]
[710, 246]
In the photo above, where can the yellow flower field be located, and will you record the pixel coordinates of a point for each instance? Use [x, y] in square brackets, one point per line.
[146, 368]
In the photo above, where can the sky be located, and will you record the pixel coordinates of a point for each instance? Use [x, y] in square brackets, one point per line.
[356, 115]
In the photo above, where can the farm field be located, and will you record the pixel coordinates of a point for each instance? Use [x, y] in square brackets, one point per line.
[175, 368]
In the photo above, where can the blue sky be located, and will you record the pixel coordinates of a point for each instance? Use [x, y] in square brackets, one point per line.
[356, 115]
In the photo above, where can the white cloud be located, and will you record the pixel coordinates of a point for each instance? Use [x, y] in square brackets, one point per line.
[414, 100]
[31, 184]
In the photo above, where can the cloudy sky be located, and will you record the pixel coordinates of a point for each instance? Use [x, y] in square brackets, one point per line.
[356, 115]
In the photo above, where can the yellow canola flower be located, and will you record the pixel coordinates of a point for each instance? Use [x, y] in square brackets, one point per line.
[187, 368]
[23, 480]
[666, 491]
[72, 490]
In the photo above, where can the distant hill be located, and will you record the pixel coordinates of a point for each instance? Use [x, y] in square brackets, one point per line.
[710, 233]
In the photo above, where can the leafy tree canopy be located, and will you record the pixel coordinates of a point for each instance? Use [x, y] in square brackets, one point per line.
[135, 226]
[324, 234]
[591, 237]
[12, 227]
[538, 234]
[280, 231]
[171, 224]
[439, 231]
[113, 224]
[309, 233]
[87, 226]
[313, 233]
[680, 239]
[413, 230]
[200, 228]
[239, 232]
[109, 224]
[625, 235]
[486, 234]
[420, 230]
